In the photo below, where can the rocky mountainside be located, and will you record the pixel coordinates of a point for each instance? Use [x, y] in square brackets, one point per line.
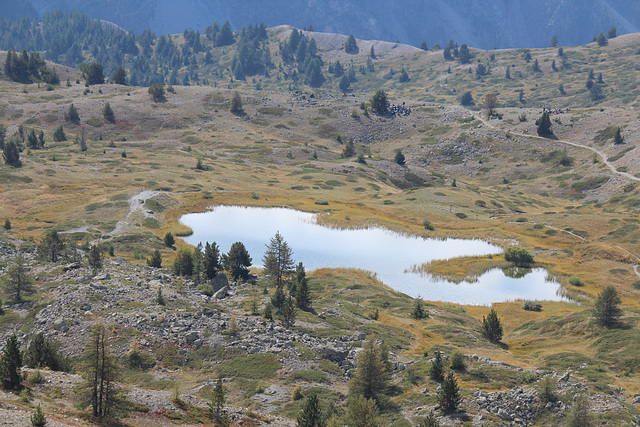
[486, 24]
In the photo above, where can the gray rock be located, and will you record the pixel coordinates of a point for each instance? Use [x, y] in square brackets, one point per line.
[221, 293]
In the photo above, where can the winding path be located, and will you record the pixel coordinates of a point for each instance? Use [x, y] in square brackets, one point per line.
[603, 157]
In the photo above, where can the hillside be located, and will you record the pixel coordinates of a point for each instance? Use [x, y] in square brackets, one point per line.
[268, 59]
[558, 198]
[484, 24]
[116, 186]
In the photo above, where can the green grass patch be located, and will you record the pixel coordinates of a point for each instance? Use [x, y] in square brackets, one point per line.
[253, 366]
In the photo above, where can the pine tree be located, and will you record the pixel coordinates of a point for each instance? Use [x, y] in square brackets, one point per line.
[606, 309]
[303, 297]
[72, 115]
[155, 260]
[216, 406]
[41, 139]
[160, 298]
[108, 114]
[278, 299]
[44, 353]
[344, 84]
[618, 138]
[169, 240]
[18, 282]
[491, 327]
[211, 260]
[423, 45]
[94, 257]
[418, 312]
[51, 246]
[100, 374]
[379, 102]
[156, 91]
[237, 261]
[236, 105]
[11, 154]
[58, 135]
[3, 135]
[449, 396]
[464, 56]
[38, 419]
[351, 46]
[399, 158]
[289, 312]
[10, 364]
[120, 76]
[278, 261]
[183, 264]
[372, 375]
[436, 370]
[363, 412]
[544, 125]
[310, 414]
[225, 36]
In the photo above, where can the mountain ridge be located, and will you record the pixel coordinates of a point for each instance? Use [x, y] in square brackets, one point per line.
[484, 24]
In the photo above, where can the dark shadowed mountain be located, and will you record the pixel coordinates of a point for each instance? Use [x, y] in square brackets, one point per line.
[486, 24]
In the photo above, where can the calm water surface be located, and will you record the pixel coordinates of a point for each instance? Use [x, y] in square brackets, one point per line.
[386, 253]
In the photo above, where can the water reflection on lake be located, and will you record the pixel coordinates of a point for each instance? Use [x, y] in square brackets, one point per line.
[386, 253]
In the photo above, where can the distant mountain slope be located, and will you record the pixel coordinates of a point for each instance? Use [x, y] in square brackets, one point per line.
[485, 24]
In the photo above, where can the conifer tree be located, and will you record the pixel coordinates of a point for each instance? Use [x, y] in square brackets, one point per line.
[449, 396]
[100, 374]
[418, 312]
[351, 46]
[155, 260]
[278, 260]
[108, 114]
[289, 312]
[544, 125]
[436, 370]
[372, 375]
[491, 327]
[606, 309]
[38, 419]
[17, 280]
[399, 158]
[10, 364]
[120, 76]
[618, 138]
[237, 261]
[216, 406]
[72, 115]
[310, 414]
[363, 412]
[236, 105]
[94, 258]
[58, 135]
[11, 154]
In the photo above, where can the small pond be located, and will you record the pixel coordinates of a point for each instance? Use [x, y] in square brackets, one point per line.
[386, 254]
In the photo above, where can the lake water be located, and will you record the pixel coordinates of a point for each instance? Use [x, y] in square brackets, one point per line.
[387, 254]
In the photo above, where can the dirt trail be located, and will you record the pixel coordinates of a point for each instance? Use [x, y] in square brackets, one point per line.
[603, 157]
[137, 211]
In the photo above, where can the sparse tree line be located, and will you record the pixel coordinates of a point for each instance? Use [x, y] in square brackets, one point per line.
[34, 139]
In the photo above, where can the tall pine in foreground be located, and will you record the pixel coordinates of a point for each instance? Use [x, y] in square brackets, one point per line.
[10, 364]
[311, 415]
[101, 371]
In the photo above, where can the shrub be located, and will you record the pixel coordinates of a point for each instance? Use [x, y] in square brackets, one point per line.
[457, 361]
[519, 256]
[427, 225]
[574, 281]
[532, 306]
